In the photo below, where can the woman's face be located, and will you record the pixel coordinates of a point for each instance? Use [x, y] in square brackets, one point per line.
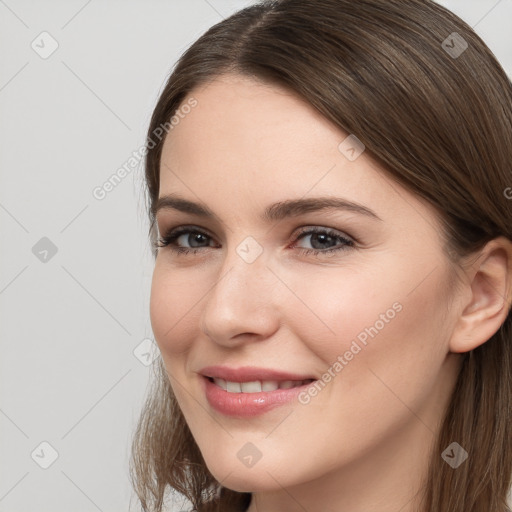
[259, 298]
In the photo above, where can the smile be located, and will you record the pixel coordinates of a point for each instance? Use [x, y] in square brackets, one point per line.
[248, 391]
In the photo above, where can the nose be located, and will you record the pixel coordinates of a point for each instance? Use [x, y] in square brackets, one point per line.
[243, 304]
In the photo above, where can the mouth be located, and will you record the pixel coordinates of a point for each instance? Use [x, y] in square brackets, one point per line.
[257, 386]
[247, 392]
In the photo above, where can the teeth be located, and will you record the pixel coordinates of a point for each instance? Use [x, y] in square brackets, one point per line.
[251, 387]
[221, 383]
[269, 385]
[257, 386]
[234, 387]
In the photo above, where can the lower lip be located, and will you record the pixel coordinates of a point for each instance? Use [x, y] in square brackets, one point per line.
[244, 405]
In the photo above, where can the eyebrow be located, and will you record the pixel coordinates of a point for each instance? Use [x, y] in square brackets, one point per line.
[274, 212]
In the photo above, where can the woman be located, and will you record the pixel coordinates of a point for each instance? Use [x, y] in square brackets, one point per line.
[329, 193]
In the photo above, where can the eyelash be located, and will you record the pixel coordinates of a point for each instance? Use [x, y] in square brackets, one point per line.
[168, 239]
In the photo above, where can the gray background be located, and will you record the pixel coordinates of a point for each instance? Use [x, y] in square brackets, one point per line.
[75, 367]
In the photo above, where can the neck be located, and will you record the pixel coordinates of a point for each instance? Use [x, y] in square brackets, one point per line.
[388, 478]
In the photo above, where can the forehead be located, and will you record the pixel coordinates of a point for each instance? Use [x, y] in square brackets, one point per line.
[234, 111]
[247, 144]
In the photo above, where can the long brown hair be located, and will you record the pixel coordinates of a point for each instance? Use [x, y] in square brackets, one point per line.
[437, 116]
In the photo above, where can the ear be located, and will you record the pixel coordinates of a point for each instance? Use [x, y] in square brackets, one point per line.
[488, 283]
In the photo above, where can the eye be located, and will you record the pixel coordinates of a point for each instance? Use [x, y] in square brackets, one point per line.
[321, 239]
[184, 234]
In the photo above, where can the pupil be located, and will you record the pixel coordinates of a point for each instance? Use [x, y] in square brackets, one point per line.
[194, 238]
[323, 239]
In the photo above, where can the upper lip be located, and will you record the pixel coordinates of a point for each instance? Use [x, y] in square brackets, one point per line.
[250, 373]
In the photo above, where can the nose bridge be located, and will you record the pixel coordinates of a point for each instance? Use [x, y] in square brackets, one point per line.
[244, 271]
[241, 300]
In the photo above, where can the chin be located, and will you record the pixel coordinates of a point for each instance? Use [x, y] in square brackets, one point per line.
[250, 483]
[242, 479]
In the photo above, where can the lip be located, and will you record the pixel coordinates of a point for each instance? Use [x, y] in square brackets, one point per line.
[246, 405]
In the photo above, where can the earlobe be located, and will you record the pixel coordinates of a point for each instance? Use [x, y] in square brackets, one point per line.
[489, 287]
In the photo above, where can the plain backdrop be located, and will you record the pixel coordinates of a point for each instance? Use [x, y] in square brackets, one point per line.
[78, 81]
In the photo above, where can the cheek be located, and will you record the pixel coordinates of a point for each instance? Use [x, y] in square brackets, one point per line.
[174, 307]
[391, 348]
[174, 310]
[372, 317]
[331, 308]
[372, 321]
